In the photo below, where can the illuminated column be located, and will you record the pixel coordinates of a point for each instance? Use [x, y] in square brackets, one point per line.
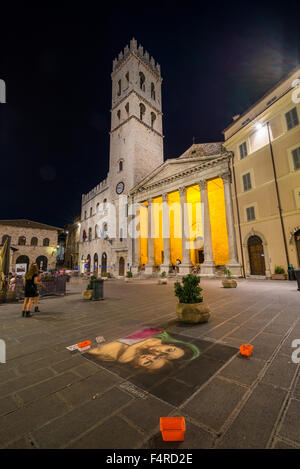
[233, 264]
[134, 220]
[208, 266]
[150, 265]
[186, 265]
[166, 234]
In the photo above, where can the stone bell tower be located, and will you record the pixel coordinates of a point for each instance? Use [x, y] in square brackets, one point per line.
[136, 140]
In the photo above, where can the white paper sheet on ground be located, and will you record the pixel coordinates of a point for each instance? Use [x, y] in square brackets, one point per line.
[100, 339]
[72, 347]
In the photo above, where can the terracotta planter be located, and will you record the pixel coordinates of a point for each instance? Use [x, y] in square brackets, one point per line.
[229, 283]
[279, 276]
[87, 294]
[192, 313]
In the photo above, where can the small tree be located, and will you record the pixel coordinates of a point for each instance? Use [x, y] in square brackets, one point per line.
[189, 291]
[90, 284]
[228, 273]
[279, 269]
[163, 274]
[129, 274]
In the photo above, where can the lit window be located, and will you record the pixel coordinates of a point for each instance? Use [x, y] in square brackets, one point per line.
[247, 182]
[296, 158]
[243, 150]
[292, 118]
[250, 213]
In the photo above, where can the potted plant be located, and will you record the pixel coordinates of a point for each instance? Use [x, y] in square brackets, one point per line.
[129, 276]
[104, 275]
[190, 307]
[88, 293]
[163, 278]
[279, 273]
[228, 281]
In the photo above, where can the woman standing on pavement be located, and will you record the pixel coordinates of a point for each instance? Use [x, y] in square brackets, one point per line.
[30, 283]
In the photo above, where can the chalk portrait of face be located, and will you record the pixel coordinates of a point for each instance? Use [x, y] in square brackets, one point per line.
[150, 351]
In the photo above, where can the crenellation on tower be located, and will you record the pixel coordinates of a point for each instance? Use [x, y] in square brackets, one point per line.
[134, 49]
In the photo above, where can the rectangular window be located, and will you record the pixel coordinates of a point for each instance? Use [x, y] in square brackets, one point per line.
[292, 118]
[243, 150]
[296, 158]
[250, 213]
[247, 182]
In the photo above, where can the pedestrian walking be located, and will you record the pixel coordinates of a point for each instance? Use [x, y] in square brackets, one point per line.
[30, 283]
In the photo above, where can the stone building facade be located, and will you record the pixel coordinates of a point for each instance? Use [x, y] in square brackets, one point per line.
[265, 142]
[145, 215]
[72, 231]
[31, 242]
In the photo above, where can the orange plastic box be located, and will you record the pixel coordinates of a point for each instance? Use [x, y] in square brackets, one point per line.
[84, 345]
[246, 350]
[172, 428]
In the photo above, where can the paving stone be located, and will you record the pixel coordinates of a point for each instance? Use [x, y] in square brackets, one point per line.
[26, 419]
[86, 369]
[145, 413]
[172, 391]
[243, 370]
[47, 387]
[25, 381]
[264, 345]
[93, 385]
[64, 365]
[107, 436]
[280, 444]
[253, 426]
[214, 403]
[280, 372]
[58, 433]
[7, 404]
[244, 333]
[290, 427]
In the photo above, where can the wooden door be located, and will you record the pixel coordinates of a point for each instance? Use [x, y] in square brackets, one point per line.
[256, 256]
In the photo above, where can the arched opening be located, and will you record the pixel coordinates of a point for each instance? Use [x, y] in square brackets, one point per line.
[256, 256]
[91, 212]
[96, 231]
[4, 238]
[119, 87]
[153, 118]
[104, 264]
[42, 262]
[127, 109]
[46, 242]
[297, 241]
[22, 241]
[90, 234]
[120, 165]
[152, 91]
[88, 263]
[23, 260]
[95, 262]
[142, 111]
[121, 266]
[34, 241]
[142, 81]
[119, 114]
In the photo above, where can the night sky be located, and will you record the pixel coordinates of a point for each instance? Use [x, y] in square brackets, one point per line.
[57, 61]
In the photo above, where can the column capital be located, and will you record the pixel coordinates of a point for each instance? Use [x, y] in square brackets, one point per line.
[165, 196]
[203, 184]
[182, 190]
[226, 177]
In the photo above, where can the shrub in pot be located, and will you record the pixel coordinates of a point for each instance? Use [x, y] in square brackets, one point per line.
[129, 276]
[163, 278]
[190, 308]
[88, 293]
[228, 281]
[279, 273]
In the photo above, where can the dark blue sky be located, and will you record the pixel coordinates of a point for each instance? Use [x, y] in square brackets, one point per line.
[56, 61]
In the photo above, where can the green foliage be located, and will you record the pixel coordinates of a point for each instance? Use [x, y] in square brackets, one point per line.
[163, 274]
[90, 285]
[189, 291]
[104, 274]
[128, 274]
[279, 269]
[227, 273]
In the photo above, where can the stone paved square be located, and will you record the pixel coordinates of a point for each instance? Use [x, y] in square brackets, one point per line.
[54, 398]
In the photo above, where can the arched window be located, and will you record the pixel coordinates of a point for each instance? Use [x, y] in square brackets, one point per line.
[104, 204]
[42, 262]
[104, 230]
[119, 88]
[34, 241]
[46, 242]
[142, 81]
[22, 241]
[90, 234]
[103, 263]
[127, 79]
[121, 234]
[127, 109]
[91, 212]
[97, 207]
[4, 238]
[96, 263]
[85, 215]
[152, 91]
[96, 231]
[153, 118]
[119, 114]
[142, 111]
[121, 165]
